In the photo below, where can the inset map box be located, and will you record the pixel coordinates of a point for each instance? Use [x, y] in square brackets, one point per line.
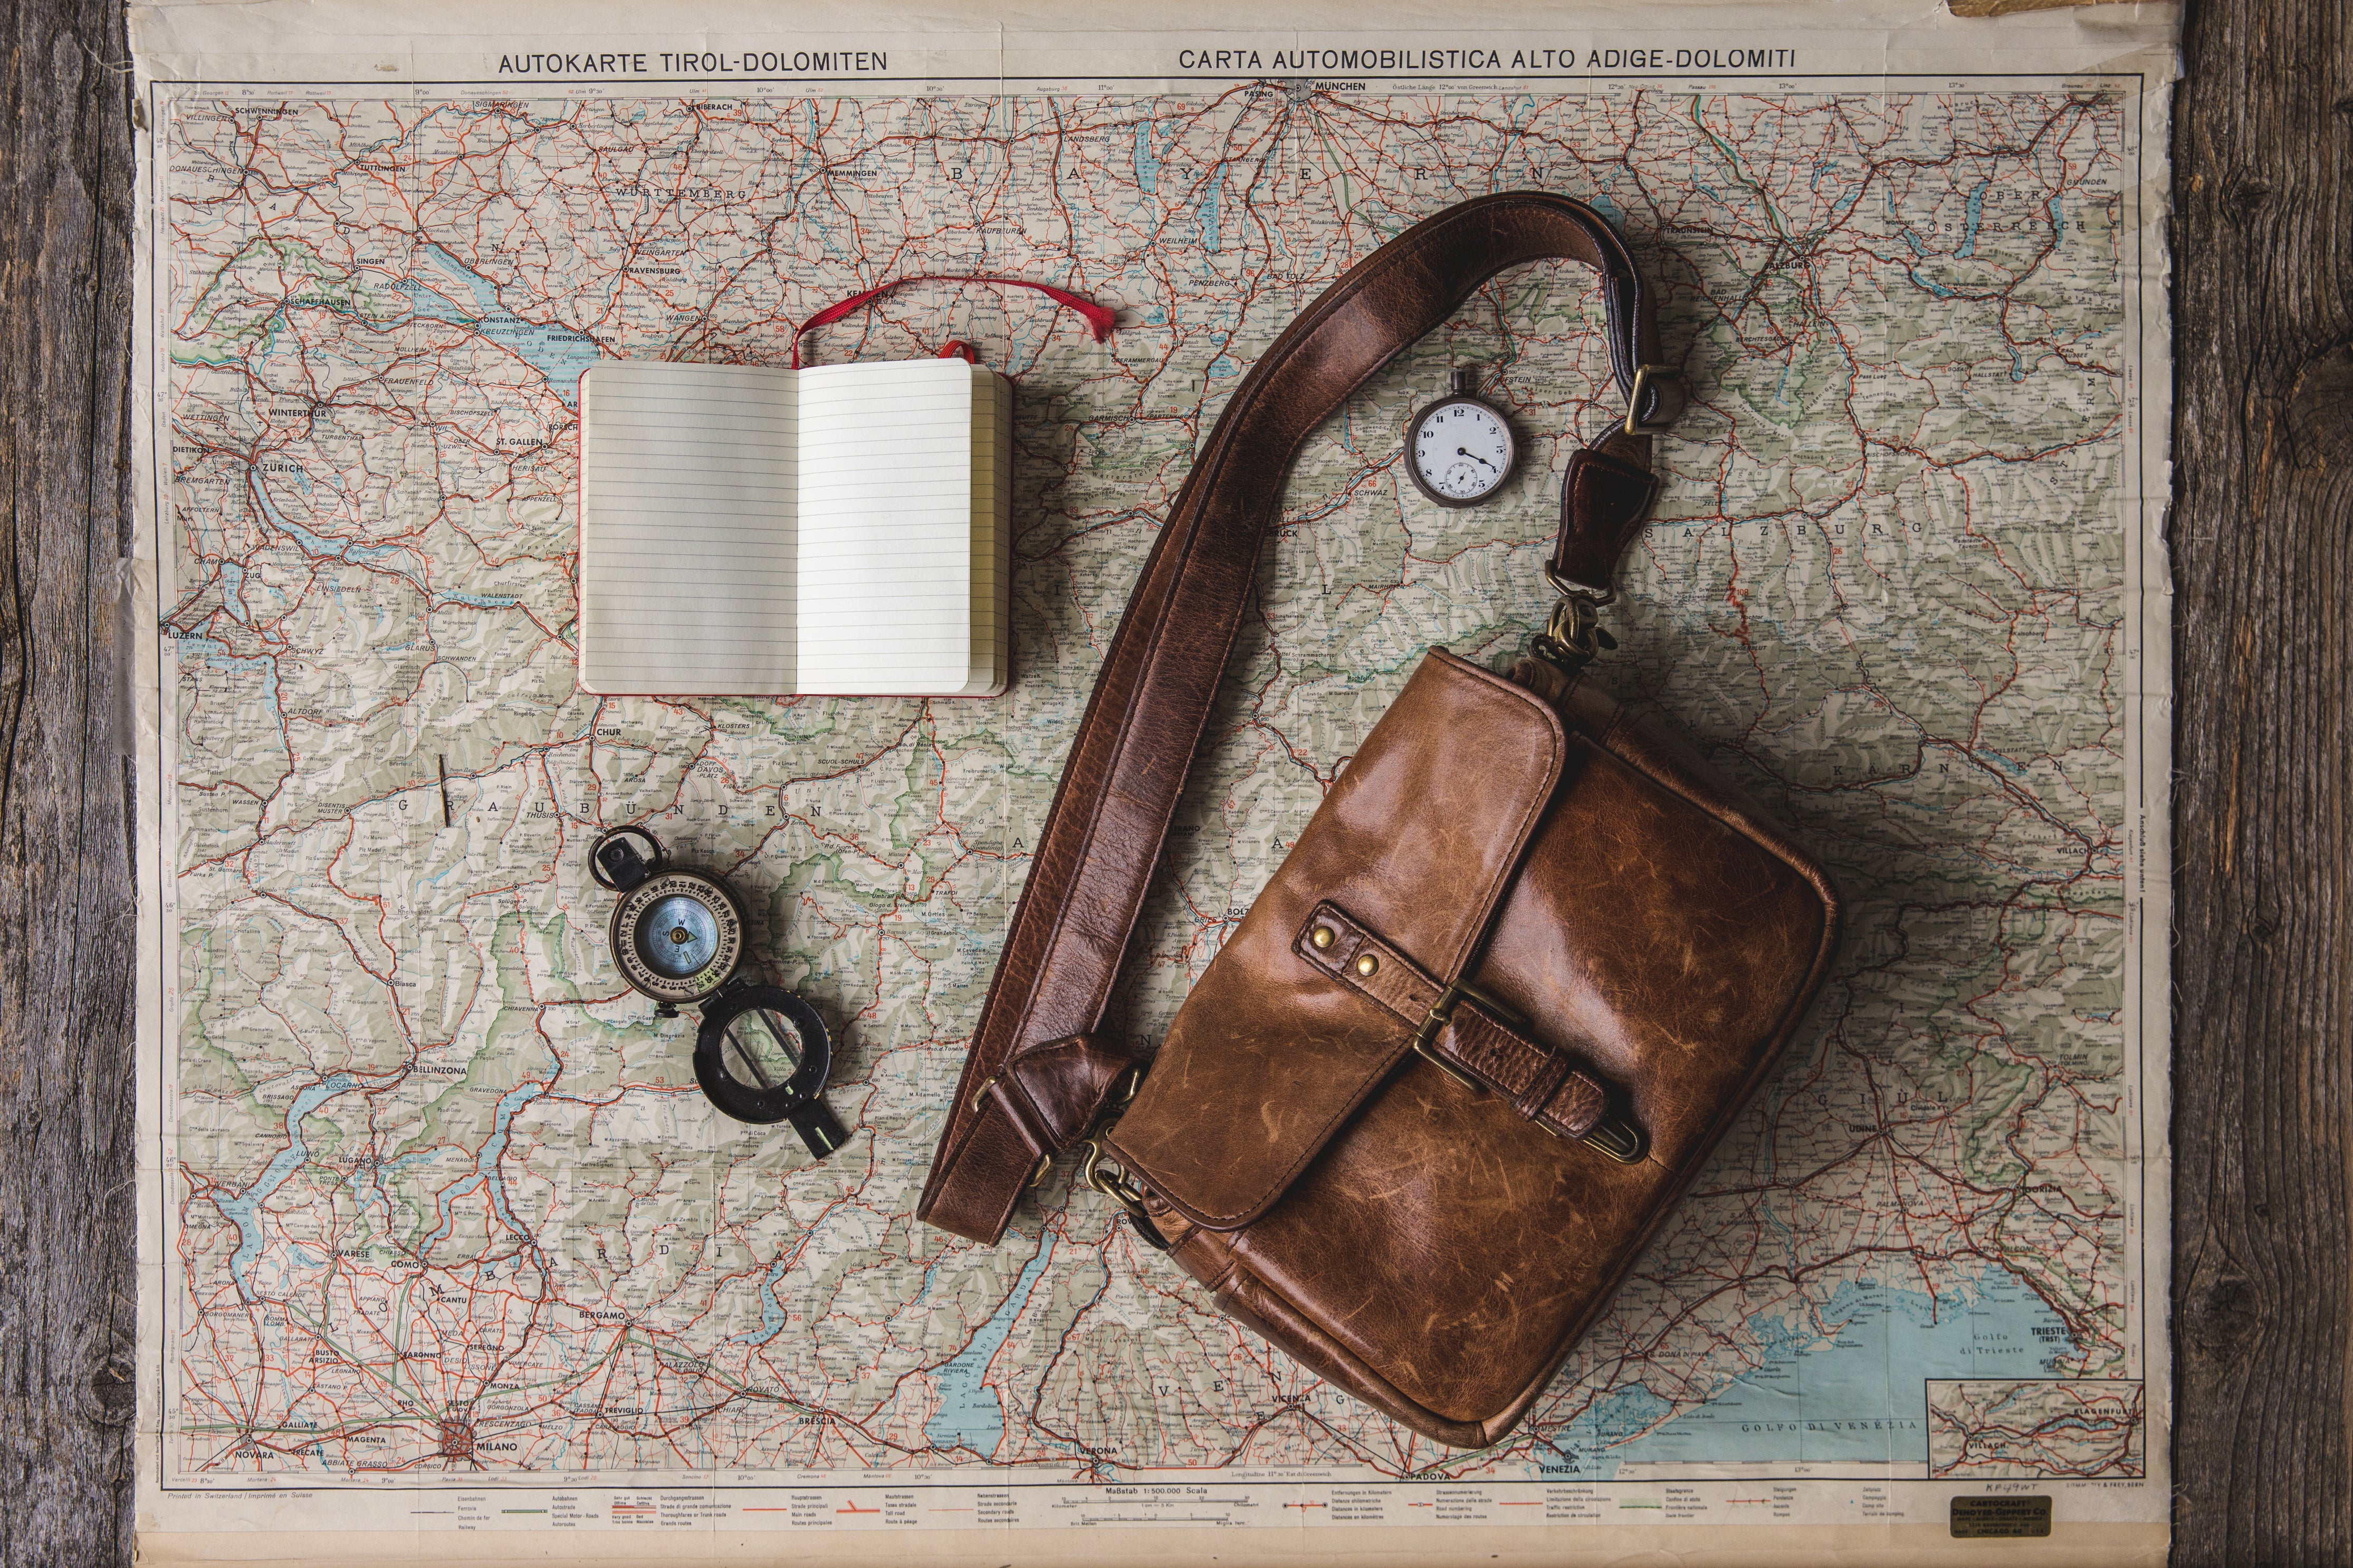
[2030, 1428]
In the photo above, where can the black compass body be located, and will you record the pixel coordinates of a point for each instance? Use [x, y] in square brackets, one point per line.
[763, 1053]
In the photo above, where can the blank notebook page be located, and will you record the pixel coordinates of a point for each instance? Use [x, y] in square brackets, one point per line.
[687, 561]
[886, 513]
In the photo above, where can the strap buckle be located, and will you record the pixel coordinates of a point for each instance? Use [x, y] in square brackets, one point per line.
[1440, 1011]
[1130, 1083]
[1643, 376]
[1045, 1161]
[1612, 1135]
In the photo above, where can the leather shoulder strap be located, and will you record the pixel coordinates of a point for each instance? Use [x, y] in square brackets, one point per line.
[1036, 1077]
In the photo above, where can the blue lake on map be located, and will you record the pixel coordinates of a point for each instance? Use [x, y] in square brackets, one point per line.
[1858, 1395]
[557, 352]
[970, 1415]
[242, 1210]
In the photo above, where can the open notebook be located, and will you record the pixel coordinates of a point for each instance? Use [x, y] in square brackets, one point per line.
[844, 530]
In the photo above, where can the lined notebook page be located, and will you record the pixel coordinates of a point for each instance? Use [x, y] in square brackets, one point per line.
[688, 579]
[886, 512]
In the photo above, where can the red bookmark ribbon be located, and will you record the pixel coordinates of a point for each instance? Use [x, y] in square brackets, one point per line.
[1101, 318]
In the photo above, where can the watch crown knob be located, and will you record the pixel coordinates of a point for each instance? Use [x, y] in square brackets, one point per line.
[1466, 381]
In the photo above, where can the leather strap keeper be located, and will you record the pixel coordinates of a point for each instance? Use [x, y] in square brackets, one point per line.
[1543, 1085]
[1604, 502]
[1046, 1100]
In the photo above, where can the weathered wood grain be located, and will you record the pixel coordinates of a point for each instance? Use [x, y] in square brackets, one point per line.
[2010, 7]
[67, 933]
[2262, 555]
[2262, 533]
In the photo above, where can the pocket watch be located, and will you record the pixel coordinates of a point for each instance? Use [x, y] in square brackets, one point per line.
[1460, 449]
[762, 1054]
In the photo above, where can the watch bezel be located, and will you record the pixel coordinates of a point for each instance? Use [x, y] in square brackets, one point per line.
[1510, 450]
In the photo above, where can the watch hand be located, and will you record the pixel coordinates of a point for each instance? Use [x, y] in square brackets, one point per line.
[1467, 452]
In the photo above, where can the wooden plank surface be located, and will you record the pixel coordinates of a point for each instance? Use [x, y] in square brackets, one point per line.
[2262, 529]
[67, 1306]
[2262, 540]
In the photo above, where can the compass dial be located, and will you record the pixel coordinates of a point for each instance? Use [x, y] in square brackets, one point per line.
[1460, 451]
[678, 936]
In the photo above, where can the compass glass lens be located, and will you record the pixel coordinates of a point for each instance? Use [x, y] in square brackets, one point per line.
[762, 1048]
[677, 937]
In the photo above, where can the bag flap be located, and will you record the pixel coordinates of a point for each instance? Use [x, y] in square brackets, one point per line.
[1418, 837]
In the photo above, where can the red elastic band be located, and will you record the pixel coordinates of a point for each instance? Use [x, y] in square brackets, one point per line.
[1101, 318]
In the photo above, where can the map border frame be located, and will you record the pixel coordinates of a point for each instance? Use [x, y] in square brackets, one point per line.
[2145, 602]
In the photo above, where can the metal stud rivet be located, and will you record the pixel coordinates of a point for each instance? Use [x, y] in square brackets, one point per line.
[1324, 937]
[1368, 966]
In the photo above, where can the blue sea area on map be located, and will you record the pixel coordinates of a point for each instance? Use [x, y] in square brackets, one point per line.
[1858, 1396]
[969, 1415]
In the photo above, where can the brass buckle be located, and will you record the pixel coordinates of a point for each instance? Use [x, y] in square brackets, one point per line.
[1643, 375]
[1120, 1189]
[1443, 1009]
[1614, 1136]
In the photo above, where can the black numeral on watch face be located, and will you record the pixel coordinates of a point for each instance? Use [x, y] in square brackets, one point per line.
[1462, 451]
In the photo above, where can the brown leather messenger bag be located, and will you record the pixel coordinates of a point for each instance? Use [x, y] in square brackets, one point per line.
[1505, 992]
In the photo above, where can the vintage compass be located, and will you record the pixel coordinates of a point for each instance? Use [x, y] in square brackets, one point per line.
[762, 1053]
[1460, 449]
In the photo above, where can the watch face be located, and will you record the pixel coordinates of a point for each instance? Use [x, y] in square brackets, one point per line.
[1460, 451]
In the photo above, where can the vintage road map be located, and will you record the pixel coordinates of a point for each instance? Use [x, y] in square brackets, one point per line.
[445, 1234]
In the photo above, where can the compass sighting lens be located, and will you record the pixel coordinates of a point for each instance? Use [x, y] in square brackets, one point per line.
[762, 1056]
[677, 937]
[762, 1048]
